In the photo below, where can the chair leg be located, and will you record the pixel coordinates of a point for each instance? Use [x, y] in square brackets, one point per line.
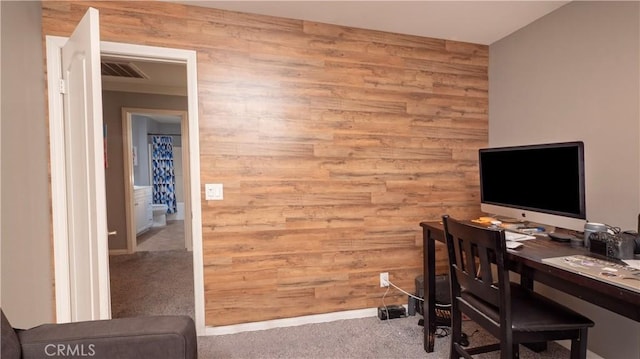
[579, 345]
[454, 353]
[509, 350]
[456, 333]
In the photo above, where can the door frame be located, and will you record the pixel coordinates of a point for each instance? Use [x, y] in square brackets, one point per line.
[127, 150]
[57, 165]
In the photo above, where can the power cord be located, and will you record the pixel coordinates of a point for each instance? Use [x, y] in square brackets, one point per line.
[384, 305]
[441, 331]
[437, 305]
[474, 333]
[410, 336]
[402, 290]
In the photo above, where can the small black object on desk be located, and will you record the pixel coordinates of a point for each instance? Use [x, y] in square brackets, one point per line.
[560, 237]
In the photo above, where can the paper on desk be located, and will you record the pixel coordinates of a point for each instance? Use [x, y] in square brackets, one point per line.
[635, 263]
[512, 236]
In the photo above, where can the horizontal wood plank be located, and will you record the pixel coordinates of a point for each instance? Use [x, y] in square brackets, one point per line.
[333, 144]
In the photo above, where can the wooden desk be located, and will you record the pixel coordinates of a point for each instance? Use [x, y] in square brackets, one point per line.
[527, 261]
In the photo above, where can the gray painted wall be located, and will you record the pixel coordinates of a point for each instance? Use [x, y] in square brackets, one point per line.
[27, 272]
[574, 75]
[139, 130]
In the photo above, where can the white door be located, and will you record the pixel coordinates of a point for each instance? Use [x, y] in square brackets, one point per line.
[86, 215]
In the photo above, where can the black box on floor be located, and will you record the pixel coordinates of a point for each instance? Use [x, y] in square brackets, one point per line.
[391, 312]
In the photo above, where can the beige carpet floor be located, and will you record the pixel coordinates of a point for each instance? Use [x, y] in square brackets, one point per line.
[166, 238]
[161, 282]
[152, 283]
[345, 339]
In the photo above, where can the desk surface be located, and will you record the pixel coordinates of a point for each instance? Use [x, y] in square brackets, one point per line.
[607, 271]
[529, 261]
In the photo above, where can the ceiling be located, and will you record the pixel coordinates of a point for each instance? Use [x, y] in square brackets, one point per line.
[157, 77]
[481, 22]
[478, 21]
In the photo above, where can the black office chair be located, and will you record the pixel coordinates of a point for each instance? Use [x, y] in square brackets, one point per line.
[506, 310]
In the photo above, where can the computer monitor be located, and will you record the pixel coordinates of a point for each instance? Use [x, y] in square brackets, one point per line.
[542, 183]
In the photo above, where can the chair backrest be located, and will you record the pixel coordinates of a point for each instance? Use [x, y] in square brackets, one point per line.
[472, 250]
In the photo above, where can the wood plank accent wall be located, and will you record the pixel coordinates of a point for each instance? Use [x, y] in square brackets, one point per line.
[332, 143]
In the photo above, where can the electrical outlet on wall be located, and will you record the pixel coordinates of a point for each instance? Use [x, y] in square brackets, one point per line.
[213, 192]
[384, 279]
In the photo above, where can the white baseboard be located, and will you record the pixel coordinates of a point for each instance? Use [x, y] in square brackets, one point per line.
[291, 322]
[115, 252]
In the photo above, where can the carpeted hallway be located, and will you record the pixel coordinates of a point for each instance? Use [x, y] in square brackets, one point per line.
[166, 238]
[151, 283]
[158, 279]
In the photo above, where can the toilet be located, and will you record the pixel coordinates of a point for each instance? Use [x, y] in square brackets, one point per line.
[159, 215]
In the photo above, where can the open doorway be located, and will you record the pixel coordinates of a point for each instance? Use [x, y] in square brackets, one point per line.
[167, 282]
[155, 179]
[151, 264]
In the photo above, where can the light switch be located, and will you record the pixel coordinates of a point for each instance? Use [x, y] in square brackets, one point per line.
[213, 192]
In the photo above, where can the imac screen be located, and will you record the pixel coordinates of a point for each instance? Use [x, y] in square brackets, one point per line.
[545, 178]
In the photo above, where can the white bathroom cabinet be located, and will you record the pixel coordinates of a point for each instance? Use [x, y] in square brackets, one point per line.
[142, 201]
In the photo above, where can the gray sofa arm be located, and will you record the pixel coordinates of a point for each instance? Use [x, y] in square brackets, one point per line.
[141, 337]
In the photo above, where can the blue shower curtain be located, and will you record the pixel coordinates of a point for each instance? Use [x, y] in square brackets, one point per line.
[164, 178]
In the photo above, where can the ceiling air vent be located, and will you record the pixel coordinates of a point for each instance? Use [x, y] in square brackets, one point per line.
[121, 69]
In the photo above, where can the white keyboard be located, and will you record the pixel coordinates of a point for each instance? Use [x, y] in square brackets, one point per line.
[514, 236]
